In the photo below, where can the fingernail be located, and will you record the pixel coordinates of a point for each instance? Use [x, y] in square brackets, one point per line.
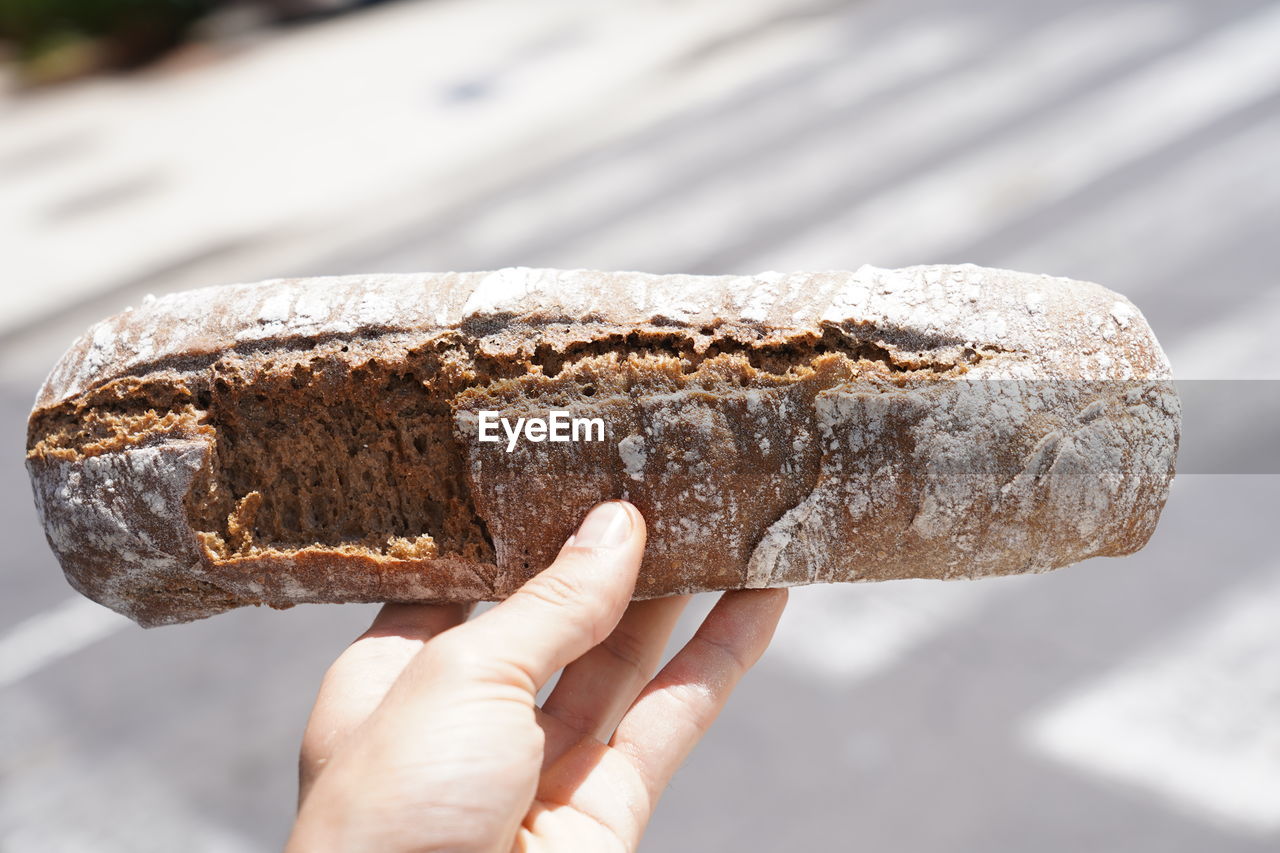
[607, 525]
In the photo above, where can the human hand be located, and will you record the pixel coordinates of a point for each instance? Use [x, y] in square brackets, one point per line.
[426, 734]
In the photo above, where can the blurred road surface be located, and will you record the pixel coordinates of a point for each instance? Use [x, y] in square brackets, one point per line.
[1119, 705]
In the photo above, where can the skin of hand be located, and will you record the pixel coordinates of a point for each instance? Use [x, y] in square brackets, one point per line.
[427, 736]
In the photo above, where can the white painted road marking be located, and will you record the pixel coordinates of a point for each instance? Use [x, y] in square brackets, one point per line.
[1238, 347]
[181, 153]
[850, 632]
[1190, 209]
[956, 205]
[1196, 720]
[597, 190]
[857, 144]
[37, 642]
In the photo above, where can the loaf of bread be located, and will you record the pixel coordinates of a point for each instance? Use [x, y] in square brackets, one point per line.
[333, 439]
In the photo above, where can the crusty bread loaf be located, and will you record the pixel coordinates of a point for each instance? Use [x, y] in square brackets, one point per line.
[317, 440]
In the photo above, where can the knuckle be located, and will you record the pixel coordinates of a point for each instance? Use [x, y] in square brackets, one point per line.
[728, 654]
[335, 673]
[469, 656]
[576, 719]
[341, 673]
[313, 747]
[629, 648]
[557, 590]
[315, 751]
[534, 740]
[450, 651]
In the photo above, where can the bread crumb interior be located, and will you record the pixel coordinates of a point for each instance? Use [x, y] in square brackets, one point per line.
[348, 445]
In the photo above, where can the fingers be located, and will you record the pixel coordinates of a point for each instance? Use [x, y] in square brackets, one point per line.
[592, 799]
[563, 611]
[675, 710]
[361, 676]
[595, 690]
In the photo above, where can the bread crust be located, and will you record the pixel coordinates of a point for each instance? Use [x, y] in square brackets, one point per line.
[775, 429]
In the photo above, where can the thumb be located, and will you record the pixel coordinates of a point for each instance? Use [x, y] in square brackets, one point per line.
[569, 607]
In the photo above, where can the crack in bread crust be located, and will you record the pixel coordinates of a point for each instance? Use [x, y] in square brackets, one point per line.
[302, 436]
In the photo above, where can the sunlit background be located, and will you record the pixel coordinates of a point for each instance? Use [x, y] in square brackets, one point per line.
[1123, 704]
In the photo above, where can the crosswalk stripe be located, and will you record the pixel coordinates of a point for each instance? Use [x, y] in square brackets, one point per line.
[47, 637]
[847, 633]
[1196, 720]
[733, 205]
[946, 209]
[599, 188]
[1241, 346]
[1188, 210]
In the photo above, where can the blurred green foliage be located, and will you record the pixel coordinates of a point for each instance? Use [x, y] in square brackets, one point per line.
[129, 31]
